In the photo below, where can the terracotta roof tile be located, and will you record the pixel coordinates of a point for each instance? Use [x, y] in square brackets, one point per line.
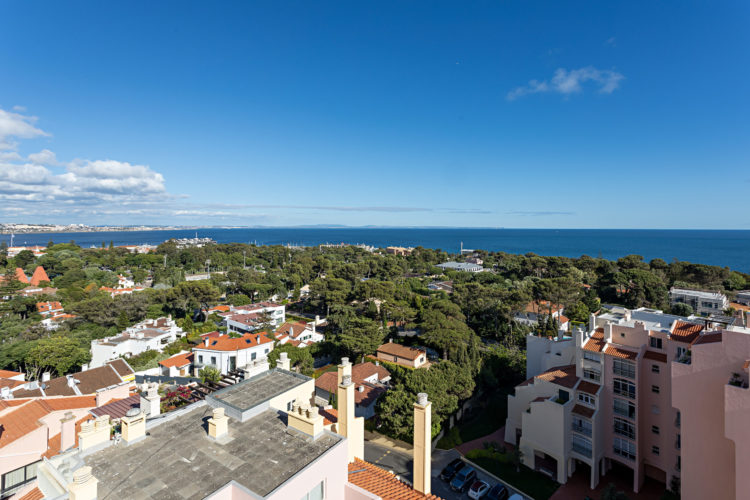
[542, 307]
[685, 332]
[365, 370]
[382, 483]
[620, 353]
[401, 351]
[178, 360]
[227, 343]
[53, 444]
[118, 408]
[39, 276]
[561, 375]
[71, 403]
[588, 387]
[21, 276]
[21, 421]
[539, 399]
[364, 397]
[34, 494]
[656, 356]
[708, 338]
[583, 411]
[330, 416]
[596, 341]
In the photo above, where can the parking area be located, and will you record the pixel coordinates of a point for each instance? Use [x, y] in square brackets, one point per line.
[401, 464]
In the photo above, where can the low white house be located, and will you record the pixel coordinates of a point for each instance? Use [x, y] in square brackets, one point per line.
[145, 336]
[231, 352]
[178, 365]
[298, 334]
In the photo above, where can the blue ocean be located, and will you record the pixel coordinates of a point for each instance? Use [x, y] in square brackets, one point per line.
[721, 247]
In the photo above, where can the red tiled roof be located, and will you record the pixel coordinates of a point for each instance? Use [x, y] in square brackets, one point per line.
[365, 397]
[178, 360]
[21, 276]
[43, 307]
[588, 387]
[34, 494]
[708, 338]
[583, 411]
[222, 308]
[382, 483]
[596, 342]
[620, 353]
[54, 442]
[21, 421]
[8, 374]
[401, 351]
[39, 276]
[227, 343]
[293, 330]
[542, 307]
[365, 370]
[71, 402]
[118, 408]
[561, 375]
[685, 332]
[539, 399]
[330, 416]
[656, 356]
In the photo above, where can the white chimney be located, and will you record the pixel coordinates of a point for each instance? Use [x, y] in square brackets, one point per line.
[205, 341]
[5, 392]
[67, 431]
[46, 376]
[218, 424]
[422, 444]
[361, 388]
[84, 485]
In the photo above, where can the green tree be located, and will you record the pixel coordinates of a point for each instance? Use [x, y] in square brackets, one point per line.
[60, 354]
[681, 309]
[209, 374]
[122, 321]
[361, 336]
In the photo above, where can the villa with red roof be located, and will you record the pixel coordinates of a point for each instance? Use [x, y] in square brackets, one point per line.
[178, 365]
[300, 334]
[229, 352]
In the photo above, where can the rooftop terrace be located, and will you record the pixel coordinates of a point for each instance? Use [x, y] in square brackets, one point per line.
[179, 461]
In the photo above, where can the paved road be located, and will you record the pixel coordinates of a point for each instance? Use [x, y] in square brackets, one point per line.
[401, 464]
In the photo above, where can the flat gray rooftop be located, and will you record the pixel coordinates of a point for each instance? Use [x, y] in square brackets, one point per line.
[179, 461]
[255, 390]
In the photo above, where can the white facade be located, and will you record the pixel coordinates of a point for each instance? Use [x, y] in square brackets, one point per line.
[543, 353]
[145, 336]
[703, 303]
[245, 319]
[227, 353]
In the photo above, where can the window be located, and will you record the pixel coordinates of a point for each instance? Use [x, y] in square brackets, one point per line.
[586, 398]
[266, 351]
[213, 360]
[253, 355]
[655, 342]
[624, 408]
[624, 388]
[624, 428]
[655, 368]
[655, 429]
[681, 351]
[623, 368]
[581, 445]
[594, 375]
[14, 480]
[200, 358]
[655, 450]
[678, 444]
[624, 448]
[655, 389]
[563, 396]
[315, 494]
[590, 356]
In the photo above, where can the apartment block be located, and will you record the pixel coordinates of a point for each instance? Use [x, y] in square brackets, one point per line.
[612, 407]
[703, 303]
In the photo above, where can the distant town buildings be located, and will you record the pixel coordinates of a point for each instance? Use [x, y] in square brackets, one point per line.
[37, 250]
[228, 353]
[370, 382]
[703, 303]
[299, 334]
[399, 250]
[441, 286]
[541, 309]
[52, 314]
[151, 334]
[248, 318]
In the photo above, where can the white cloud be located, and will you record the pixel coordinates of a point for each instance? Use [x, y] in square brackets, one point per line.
[571, 81]
[43, 157]
[18, 126]
[19, 109]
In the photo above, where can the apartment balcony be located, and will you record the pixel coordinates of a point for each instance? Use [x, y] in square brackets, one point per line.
[738, 380]
[581, 450]
[622, 452]
[685, 359]
[581, 429]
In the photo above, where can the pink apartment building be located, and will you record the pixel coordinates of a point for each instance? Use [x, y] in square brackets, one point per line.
[613, 407]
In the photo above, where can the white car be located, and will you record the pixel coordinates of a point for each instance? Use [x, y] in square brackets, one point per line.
[478, 489]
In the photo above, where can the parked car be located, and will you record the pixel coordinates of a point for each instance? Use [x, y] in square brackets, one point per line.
[463, 479]
[478, 489]
[450, 470]
[498, 492]
[516, 496]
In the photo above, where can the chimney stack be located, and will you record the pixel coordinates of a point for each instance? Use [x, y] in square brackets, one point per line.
[84, 485]
[306, 419]
[349, 426]
[46, 376]
[151, 401]
[205, 341]
[67, 431]
[218, 424]
[94, 433]
[422, 443]
[133, 425]
[283, 362]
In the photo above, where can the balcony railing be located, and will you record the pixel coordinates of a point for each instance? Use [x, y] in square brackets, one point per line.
[624, 453]
[628, 393]
[685, 358]
[581, 429]
[581, 450]
[625, 371]
[628, 412]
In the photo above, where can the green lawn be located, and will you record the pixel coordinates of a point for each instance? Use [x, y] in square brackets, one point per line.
[323, 369]
[486, 422]
[533, 483]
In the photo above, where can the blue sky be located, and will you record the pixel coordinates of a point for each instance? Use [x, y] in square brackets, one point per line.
[556, 114]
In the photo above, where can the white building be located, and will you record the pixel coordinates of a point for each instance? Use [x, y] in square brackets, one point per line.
[228, 353]
[299, 334]
[461, 266]
[703, 303]
[145, 336]
[245, 319]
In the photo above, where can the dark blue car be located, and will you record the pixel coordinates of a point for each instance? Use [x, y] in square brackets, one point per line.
[498, 492]
[463, 479]
[450, 470]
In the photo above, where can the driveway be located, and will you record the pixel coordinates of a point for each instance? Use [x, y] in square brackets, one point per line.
[400, 463]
